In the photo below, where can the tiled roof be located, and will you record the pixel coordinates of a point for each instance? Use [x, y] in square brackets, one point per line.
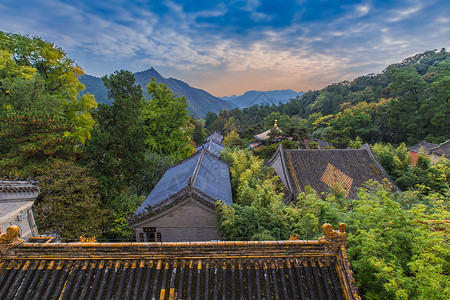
[212, 146]
[215, 136]
[202, 172]
[442, 149]
[294, 269]
[265, 135]
[323, 169]
[423, 145]
[17, 187]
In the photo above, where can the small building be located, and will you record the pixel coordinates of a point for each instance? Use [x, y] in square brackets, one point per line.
[215, 136]
[181, 207]
[433, 151]
[16, 200]
[324, 169]
[422, 148]
[293, 269]
[263, 137]
[441, 151]
[213, 146]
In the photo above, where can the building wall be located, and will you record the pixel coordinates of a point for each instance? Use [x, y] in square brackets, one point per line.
[18, 213]
[188, 220]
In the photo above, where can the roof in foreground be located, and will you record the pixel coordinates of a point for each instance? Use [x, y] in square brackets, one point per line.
[324, 168]
[296, 269]
[202, 171]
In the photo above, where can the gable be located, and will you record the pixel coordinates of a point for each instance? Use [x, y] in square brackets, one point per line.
[189, 211]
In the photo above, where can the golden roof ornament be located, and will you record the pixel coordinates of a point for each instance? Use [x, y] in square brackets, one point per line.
[334, 239]
[84, 239]
[10, 239]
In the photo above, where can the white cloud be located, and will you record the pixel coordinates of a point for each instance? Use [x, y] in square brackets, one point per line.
[401, 14]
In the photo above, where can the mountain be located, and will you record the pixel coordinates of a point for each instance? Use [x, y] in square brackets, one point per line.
[258, 97]
[200, 102]
[95, 86]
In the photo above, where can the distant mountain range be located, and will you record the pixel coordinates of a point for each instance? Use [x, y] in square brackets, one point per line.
[200, 102]
[251, 98]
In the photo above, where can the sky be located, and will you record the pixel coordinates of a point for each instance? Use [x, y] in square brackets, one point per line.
[229, 47]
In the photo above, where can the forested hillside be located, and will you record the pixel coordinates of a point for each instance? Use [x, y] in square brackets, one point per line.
[407, 102]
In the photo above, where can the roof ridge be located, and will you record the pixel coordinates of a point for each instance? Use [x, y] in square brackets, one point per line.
[367, 148]
[197, 167]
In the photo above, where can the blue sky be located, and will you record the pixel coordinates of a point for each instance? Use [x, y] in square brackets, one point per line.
[229, 47]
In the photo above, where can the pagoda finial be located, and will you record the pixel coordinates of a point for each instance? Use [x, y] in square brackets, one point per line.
[276, 124]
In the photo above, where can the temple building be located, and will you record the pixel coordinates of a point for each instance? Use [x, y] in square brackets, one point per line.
[263, 137]
[293, 269]
[16, 200]
[181, 206]
[325, 169]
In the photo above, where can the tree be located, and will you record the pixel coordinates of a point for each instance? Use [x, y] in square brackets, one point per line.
[68, 203]
[233, 139]
[404, 115]
[198, 133]
[42, 115]
[359, 122]
[282, 121]
[209, 119]
[166, 122]
[116, 151]
[29, 138]
[23, 56]
[395, 253]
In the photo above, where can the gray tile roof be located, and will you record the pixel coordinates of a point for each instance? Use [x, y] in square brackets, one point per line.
[442, 149]
[423, 145]
[321, 169]
[215, 136]
[202, 171]
[212, 146]
[17, 187]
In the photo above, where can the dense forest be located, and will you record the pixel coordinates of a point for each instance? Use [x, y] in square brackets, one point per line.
[95, 163]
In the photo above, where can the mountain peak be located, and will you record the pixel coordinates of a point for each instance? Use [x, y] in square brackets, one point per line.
[200, 102]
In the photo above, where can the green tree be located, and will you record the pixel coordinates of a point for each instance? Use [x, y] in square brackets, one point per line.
[209, 119]
[282, 121]
[116, 151]
[23, 55]
[395, 253]
[68, 203]
[166, 122]
[404, 115]
[233, 139]
[359, 122]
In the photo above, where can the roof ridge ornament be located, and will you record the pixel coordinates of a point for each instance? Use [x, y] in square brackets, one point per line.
[84, 239]
[333, 239]
[10, 239]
